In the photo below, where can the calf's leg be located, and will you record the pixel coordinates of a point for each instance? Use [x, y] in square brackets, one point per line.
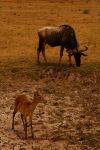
[31, 126]
[14, 113]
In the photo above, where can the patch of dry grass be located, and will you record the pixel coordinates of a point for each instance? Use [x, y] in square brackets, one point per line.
[27, 68]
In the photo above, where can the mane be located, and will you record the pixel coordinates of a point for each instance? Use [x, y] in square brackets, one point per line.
[64, 25]
[73, 41]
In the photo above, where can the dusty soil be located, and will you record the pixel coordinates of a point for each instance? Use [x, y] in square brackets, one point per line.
[70, 119]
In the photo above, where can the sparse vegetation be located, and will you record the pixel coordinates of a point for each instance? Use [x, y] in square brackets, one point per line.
[86, 11]
[71, 118]
[14, 13]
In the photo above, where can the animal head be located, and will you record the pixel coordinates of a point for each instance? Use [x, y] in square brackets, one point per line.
[77, 55]
[39, 98]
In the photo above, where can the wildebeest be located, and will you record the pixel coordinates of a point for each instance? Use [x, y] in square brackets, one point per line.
[63, 36]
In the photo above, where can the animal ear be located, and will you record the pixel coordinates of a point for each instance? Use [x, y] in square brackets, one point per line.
[83, 54]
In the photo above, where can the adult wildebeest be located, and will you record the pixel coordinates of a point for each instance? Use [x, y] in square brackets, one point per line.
[63, 36]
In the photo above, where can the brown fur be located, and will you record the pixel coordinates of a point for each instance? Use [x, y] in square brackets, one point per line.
[26, 107]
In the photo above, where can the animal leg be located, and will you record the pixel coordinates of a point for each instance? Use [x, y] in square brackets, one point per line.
[31, 127]
[22, 120]
[61, 53]
[14, 113]
[43, 53]
[38, 56]
[70, 63]
[39, 50]
[25, 127]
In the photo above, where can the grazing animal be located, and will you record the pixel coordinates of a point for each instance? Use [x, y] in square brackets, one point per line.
[26, 107]
[63, 36]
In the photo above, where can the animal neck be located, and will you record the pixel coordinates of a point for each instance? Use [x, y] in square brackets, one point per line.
[35, 102]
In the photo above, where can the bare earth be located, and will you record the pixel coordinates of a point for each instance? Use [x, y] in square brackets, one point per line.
[71, 118]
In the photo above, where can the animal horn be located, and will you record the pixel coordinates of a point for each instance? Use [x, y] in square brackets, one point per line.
[86, 48]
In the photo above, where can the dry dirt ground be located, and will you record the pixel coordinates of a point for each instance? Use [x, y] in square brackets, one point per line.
[70, 119]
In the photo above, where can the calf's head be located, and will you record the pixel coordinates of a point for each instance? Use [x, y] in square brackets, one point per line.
[39, 98]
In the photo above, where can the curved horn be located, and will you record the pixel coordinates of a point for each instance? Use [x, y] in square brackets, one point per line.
[86, 48]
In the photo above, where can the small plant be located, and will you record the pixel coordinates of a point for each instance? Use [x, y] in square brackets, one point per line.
[14, 13]
[85, 11]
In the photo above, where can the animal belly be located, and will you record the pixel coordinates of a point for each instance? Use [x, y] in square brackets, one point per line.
[53, 40]
[54, 44]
